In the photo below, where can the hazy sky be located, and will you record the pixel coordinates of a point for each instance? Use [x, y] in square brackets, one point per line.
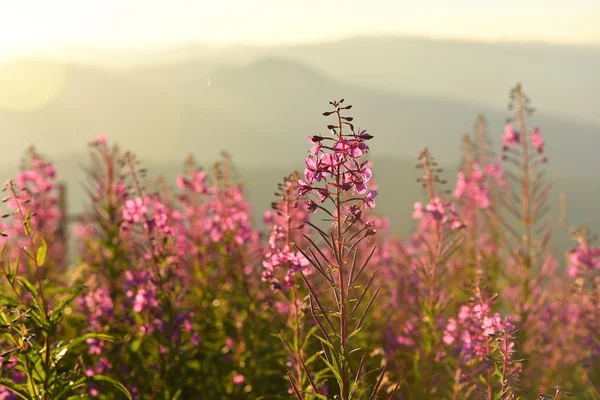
[45, 26]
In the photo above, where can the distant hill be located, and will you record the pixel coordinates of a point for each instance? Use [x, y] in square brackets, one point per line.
[262, 113]
[562, 79]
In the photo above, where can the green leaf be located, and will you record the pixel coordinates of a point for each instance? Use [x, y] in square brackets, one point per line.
[31, 289]
[118, 385]
[355, 332]
[317, 395]
[28, 223]
[332, 369]
[325, 341]
[41, 253]
[92, 379]
[135, 345]
[66, 301]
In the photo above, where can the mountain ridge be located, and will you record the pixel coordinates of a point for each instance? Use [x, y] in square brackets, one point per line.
[252, 109]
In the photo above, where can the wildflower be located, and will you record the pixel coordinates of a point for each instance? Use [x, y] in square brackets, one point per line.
[418, 210]
[537, 140]
[101, 139]
[313, 172]
[134, 210]
[472, 330]
[510, 138]
[583, 258]
[370, 199]
[473, 188]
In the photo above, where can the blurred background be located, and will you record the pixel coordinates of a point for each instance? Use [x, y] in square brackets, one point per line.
[166, 79]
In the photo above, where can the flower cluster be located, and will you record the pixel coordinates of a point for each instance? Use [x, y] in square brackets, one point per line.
[470, 332]
[287, 222]
[437, 213]
[181, 296]
[511, 138]
[40, 196]
[582, 259]
[473, 187]
[334, 165]
[215, 212]
[196, 183]
[537, 141]
[141, 293]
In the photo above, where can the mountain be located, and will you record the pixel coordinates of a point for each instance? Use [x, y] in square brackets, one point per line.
[262, 113]
[561, 79]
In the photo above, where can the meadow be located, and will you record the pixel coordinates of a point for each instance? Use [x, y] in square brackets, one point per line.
[169, 290]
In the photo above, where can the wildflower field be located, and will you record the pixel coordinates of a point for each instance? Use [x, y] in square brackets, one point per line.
[170, 290]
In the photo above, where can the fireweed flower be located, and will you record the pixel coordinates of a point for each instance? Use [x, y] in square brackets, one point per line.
[369, 199]
[473, 187]
[437, 212]
[341, 155]
[582, 259]
[197, 182]
[425, 265]
[39, 195]
[138, 285]
[471, 330]
[335, 176]
[283, 261]
[511, 138]
[100, 140]
[153, 258]
[134, 210]
[221, 212]
[536, 139]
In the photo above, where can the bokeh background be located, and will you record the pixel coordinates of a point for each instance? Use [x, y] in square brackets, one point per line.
[171, 78]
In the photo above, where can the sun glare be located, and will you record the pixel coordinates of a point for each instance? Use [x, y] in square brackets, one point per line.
[30, 84]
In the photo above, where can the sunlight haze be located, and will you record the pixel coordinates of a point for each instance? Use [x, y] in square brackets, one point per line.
[62, 27]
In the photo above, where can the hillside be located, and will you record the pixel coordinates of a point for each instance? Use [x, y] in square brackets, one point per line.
[251, 109]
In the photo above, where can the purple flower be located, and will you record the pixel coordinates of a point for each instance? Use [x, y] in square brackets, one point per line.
[303, 188]
[313, 172]
[370, 199]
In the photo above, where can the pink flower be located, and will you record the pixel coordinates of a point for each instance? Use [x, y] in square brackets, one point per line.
[582, 259]
[418, 213]
[313, 171]
[436, 208]
[134, 210]
[450, 332]
[102, 139]
[510, 138]
[316, 141]
[303, 188]
[370, 199]
[352, 148]
[536, 139]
